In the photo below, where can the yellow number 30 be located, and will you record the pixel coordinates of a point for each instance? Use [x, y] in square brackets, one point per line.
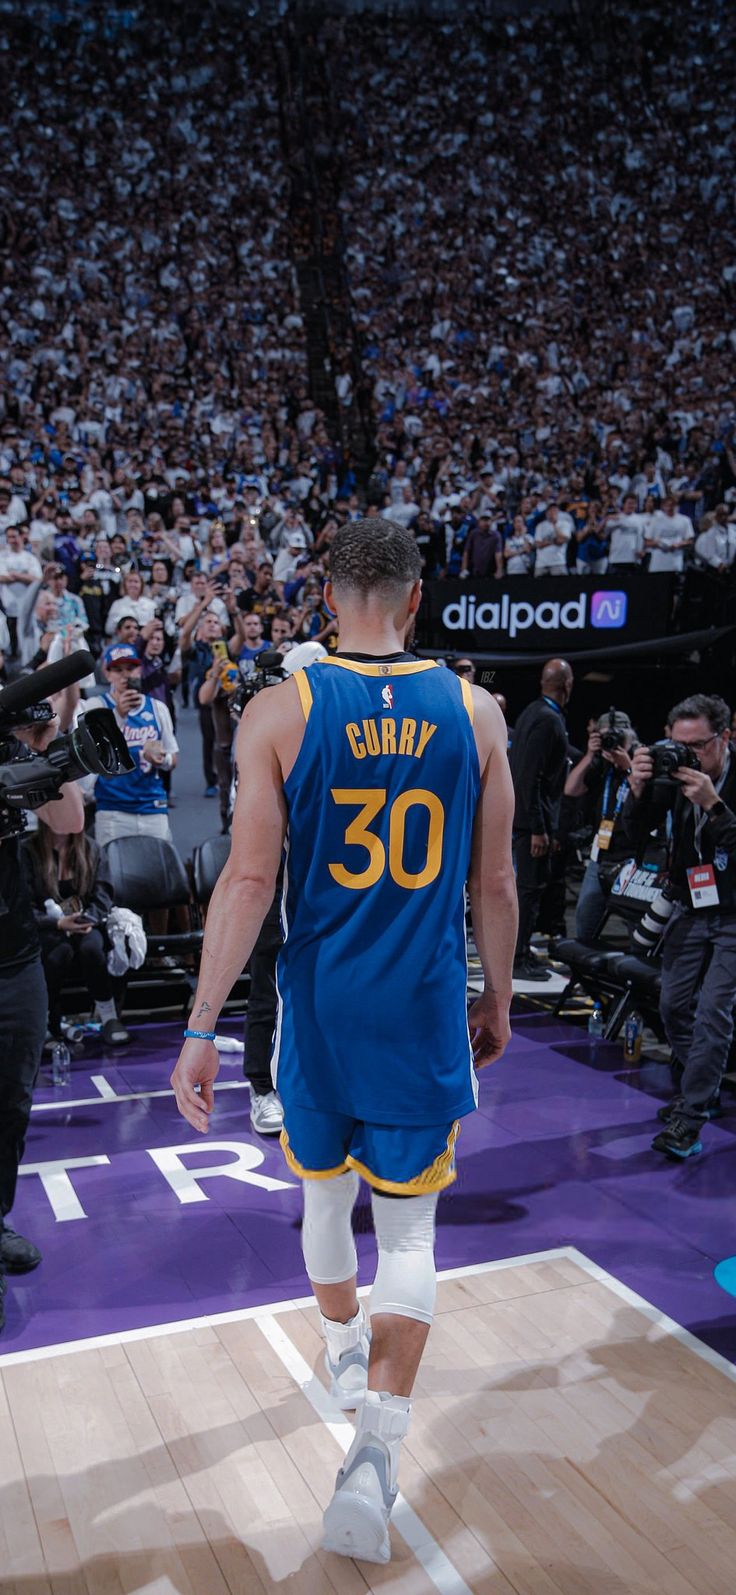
[358, 834]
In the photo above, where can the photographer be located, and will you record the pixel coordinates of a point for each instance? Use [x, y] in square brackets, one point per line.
[699, 951]
[603, 774]
[22, 1004]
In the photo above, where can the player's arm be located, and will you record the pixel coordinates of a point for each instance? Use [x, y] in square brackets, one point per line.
[240, 901]
[491, 884]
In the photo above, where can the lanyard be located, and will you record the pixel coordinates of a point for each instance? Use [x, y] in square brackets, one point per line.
[553, 705]
[621, 796]
[701, 815]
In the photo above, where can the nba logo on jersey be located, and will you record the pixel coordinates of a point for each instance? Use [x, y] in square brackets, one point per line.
[387, 697]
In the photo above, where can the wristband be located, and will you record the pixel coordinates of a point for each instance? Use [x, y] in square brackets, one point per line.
[200, 1035]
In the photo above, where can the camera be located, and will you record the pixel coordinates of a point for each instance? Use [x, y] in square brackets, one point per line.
[612, 738]
[667, 757]
[268, 671]
[29, 779]
[651, 927]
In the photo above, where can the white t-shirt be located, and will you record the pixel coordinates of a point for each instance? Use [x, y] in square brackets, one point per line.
[550, 555]
[717, 546]
[11, 593]
[402, 512]
[188, 602]
[519, 558]
[668, 529]
[627, 539]
[142, 610]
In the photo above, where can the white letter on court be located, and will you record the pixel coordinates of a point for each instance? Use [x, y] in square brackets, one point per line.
[65, 1203]
[184, 1181]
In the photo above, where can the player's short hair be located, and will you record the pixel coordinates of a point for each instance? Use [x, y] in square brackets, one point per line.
[703, 706]
[373, 555]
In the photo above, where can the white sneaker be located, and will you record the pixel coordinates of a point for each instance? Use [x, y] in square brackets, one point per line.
[357, 1518]
[266, 1113]
[346, 1359]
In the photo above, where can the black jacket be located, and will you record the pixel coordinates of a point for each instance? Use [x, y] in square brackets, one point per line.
[539, 764]
[717, 842]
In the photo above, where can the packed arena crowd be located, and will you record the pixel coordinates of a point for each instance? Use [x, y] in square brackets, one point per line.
[546, 340]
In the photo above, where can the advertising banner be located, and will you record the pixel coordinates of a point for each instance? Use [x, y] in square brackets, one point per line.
[548, 613]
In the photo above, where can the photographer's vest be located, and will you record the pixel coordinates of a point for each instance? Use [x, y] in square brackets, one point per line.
[141, 791]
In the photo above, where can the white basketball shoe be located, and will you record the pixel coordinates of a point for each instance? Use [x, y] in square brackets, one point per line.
[357, 1518]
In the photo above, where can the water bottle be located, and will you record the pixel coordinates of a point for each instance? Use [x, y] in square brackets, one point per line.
[595, 1022]
[632, 1038]
[61, 1064]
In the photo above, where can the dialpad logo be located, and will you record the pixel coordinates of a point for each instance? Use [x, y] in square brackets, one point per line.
[608, 610]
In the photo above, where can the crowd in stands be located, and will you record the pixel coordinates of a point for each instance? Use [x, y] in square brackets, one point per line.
[543, 266]
[542, 287]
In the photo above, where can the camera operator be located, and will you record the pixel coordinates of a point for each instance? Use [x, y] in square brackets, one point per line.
[699, 945]
[23, 1005]
[603, 774]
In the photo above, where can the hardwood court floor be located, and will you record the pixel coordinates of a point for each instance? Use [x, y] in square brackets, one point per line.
[563, 1442]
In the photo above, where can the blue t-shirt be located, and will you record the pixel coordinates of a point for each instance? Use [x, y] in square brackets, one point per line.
[140, 791]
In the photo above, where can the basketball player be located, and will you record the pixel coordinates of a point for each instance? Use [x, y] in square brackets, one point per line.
[388, 778]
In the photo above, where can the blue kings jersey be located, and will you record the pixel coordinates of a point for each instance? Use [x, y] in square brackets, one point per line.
[372, 976]
[140, 791]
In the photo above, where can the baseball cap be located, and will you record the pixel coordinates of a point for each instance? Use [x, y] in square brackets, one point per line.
[297, 540]
[117, 652]
[621, 721]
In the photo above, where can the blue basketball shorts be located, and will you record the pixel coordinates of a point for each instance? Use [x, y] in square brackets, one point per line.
[402, 1162]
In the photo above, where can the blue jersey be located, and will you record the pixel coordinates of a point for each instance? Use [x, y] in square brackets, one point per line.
[372, 976]
[141, 791]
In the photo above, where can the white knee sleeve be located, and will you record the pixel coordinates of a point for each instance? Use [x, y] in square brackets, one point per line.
[406, 1279]
[327, 1236]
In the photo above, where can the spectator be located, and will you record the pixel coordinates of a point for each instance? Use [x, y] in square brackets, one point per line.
[132, 601]
[72, 897]
[19, 569]
[551, 538]
[483, 551]
[667, 536]
[134, 804]
[627, 529]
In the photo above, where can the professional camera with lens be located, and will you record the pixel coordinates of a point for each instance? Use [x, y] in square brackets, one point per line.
[667, 757]
[268, 671]
[29, 779]
[651, 927]
[612, 738]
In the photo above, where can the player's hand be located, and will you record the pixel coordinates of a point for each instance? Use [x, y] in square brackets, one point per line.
[490, 1029]
[198, 1065]
[539, 845]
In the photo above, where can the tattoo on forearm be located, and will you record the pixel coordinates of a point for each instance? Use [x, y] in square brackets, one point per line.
[203, 1008]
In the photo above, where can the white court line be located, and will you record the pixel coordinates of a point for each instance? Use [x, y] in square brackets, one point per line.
[103, 1086]
[179, 1326]
[437, 1565]
[121, 1337]
[108, 1095]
